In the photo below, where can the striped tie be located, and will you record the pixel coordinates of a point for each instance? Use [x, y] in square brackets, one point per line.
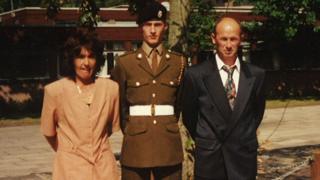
[229, 85]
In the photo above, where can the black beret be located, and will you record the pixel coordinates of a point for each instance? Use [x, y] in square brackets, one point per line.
[152, 11]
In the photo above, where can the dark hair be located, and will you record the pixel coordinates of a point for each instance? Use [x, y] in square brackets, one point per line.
[224, 17]
[72, 47]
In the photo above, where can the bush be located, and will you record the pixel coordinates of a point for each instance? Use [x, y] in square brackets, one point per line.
[21, 98]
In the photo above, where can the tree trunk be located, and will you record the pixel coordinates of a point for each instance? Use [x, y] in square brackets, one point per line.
[188, 152]
[179, 11]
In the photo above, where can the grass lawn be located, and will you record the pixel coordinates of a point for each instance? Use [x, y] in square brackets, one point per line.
[19, 122]
[291, 103]
[270, 104]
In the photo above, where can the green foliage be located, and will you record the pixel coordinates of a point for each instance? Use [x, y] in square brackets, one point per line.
[136, 6]
[200, 26]
[89, 13]
[53, 8]
[3, 3]
[190, 145]
[317, 29]
[251, 26]
[89, 8]
[286, 18]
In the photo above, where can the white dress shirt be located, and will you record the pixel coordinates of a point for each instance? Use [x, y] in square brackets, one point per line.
[224, 74]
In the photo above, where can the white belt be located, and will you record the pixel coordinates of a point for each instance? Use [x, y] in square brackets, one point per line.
[149, 110]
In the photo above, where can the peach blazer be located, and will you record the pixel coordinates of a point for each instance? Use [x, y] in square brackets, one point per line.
[82, 131]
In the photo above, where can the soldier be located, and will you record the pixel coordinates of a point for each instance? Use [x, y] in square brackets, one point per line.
[149, 79]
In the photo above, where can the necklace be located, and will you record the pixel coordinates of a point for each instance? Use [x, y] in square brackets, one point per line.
[87, 95]
[79, 90]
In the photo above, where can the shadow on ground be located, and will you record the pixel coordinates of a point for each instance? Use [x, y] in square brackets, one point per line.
[287, 163]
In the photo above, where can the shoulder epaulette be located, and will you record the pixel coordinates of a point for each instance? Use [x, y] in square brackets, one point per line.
[175, 53]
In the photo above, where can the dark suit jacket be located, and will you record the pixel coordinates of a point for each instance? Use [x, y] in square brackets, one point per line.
[226, 141]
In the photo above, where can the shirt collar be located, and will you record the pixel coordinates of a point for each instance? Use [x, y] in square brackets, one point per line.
[148, 50]
[220, 63]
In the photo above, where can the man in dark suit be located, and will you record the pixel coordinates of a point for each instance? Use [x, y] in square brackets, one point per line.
[222, 106]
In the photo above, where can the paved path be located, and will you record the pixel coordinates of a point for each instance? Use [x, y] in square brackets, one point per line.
[299, 127]
[24, 153]
[23, 150]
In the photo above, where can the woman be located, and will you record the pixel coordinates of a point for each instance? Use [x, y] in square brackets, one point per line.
[80, 112]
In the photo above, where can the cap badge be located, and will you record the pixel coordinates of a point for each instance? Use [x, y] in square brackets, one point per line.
[160, 14]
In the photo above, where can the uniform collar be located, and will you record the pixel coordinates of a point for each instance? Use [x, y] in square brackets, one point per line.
[148, 50]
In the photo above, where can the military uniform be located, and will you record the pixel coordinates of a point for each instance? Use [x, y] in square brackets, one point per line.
[148, 109]
[149, 138]
[149, 79]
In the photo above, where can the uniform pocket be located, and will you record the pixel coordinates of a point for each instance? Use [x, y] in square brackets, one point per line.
[170, 82]
[137, 83]
[135, 129]
[173, 128]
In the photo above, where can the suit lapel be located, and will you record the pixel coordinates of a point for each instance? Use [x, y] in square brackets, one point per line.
[143, 62]
[216, 90]
[246, 83]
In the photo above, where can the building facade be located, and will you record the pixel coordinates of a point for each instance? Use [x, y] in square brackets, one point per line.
[38, 40]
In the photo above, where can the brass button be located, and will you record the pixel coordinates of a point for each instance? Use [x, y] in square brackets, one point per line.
[139, 56]
[171, 83]
[137, 83]
[154, 81]
[153, 95]
[154, 121]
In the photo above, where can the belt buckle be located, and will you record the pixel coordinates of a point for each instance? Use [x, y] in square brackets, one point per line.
[153, 110]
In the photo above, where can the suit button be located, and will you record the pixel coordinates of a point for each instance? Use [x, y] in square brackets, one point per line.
[154, 81]
[171, 83]
[137, 83]
[154, 121]
[153, 95]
